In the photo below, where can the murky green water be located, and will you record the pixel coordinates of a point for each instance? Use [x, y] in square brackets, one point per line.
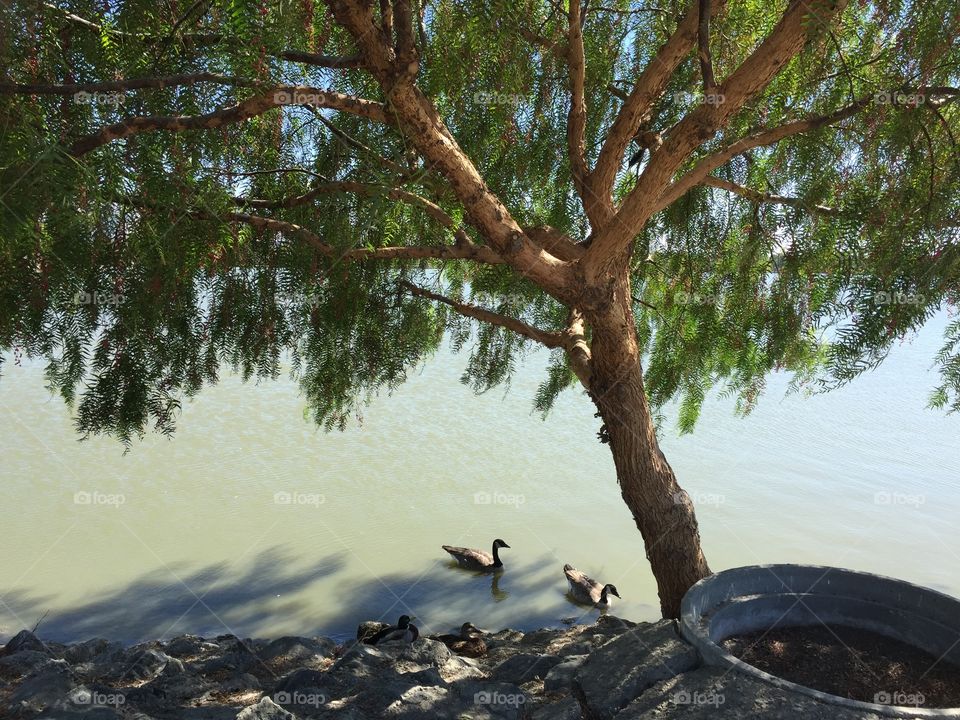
[252, 522]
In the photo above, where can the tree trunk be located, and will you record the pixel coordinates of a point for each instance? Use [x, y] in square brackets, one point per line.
[663, 512]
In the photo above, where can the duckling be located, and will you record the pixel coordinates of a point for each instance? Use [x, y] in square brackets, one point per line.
[588, 591]
[404, 630]
[478, 559]
[468, 643]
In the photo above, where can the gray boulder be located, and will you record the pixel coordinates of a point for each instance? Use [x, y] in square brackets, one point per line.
[266, 709]
[24, 640]
[45, 688]
[90, 651]
[298, 650]
[23, 663]
[184, 646]
[560, 677]
[524, 667]
[718, 694]
[620, 670]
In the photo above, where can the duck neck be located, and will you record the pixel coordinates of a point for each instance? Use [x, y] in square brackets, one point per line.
[604, 600]
[496, 556]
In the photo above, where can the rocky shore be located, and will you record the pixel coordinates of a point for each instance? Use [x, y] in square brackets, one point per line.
[613, 669]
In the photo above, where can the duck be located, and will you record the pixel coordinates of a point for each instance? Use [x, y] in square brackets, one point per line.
[478, 559]
[588, 591]
[404, 631]
[468, 643]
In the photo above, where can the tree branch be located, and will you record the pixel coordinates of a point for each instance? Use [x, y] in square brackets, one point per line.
[544, 337]
[761, 197]
[422, 124]
[7, 88]
[649, 86]
[574, 341]
[257, 105]
[768, 136]
[703, 47]
[577, 115]
[461, 251]
[784, 42]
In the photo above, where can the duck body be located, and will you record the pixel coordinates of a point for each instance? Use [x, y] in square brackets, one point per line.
[473, 559]
[587, 591]
[404, 631]
[468, 643]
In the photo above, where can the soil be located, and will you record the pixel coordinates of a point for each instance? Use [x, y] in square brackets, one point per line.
[851, 663]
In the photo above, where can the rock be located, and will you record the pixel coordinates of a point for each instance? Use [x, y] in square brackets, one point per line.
[187, 646]
[370, 627]
[91, 712]
[266, 709]
[90, 650]
[297, 649]
[418, 702]
[524, 667]
[23, 663]
[24, 640]
[242, 682]
[620, 670]
[43, 689]
[485, 699]
[565, 709]
[721, 694]
[560, 677]
[577, 648]
[146, 665]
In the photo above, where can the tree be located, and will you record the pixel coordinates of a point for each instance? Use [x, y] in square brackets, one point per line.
[670, 197]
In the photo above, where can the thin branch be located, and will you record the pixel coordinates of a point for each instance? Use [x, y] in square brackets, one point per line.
[769, 136]
[251, 107]
[762, 197]
[753, 75]
[577, 115]
[544, 337]
[333, 62]
[703, 47]
[459, 251]
[8, 88]
[649, 86]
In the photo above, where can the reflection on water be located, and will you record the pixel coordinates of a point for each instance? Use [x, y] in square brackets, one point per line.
[251, 521]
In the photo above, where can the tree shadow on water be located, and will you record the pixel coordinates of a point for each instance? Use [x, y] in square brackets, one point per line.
[212, 600]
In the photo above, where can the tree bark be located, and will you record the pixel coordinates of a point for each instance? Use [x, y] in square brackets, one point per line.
[662, 511]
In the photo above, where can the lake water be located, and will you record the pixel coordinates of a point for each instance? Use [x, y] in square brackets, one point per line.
[251, 521]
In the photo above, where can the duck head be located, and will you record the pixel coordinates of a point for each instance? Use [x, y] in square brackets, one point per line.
[611, 589]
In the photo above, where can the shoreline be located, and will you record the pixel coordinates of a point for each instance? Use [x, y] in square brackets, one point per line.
[614, 669]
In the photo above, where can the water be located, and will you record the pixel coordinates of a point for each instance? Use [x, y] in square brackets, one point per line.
[865, 478]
